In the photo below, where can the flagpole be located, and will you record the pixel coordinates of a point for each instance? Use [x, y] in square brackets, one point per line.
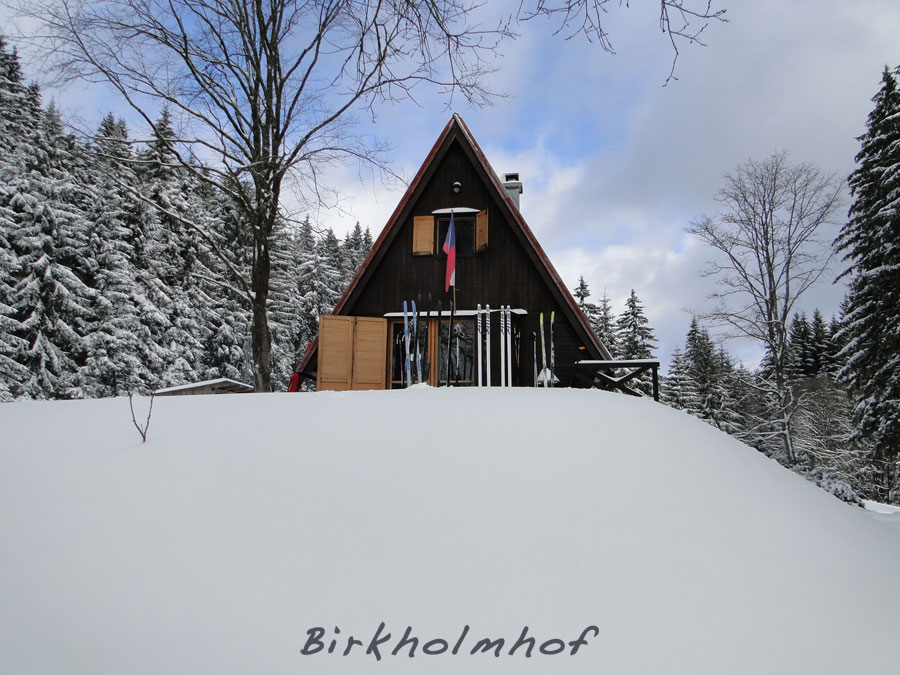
[456, 379]
[449, 248]
[450, 334]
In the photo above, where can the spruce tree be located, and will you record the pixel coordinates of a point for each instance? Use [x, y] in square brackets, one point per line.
[174, 254]
[634, 337]
[869, 243]
[46, 318]
[604, 325]
[677, 389]
[121, 347]
[318, 279]
[832, 360]
[818, 341]
[799, 347]
[581, 293]
[15, 160]
[226, 322]
[354, 249]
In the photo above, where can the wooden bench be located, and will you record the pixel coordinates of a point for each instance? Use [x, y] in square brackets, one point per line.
[600, 374]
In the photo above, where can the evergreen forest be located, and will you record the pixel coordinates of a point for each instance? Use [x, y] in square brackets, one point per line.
[105, 291]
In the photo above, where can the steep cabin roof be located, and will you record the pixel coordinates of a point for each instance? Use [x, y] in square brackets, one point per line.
[456, 156]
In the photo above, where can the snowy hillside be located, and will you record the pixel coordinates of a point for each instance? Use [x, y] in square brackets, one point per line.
[247, 522]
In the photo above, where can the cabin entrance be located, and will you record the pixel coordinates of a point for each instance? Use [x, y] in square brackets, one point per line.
[441, 359]
[370, 352]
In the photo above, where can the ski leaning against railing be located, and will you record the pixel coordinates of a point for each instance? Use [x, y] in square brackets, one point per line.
[509, 362]
[544, 375]
[416, 357]
[450, 343]
[478, 344]
[426, 366]
[552, 358]
[502, 346]
[487, 350]
[439, 348]
[408, 368]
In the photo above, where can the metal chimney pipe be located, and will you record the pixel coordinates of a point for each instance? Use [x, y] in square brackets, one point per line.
[513, 186]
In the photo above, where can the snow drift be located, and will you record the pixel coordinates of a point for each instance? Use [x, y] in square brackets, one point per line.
[251, 529]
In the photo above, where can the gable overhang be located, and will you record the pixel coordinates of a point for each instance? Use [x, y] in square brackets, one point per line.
[456, 129]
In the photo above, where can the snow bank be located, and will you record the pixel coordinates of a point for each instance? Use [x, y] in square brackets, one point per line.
[249, 528]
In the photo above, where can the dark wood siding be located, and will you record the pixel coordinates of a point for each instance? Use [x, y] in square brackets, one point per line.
[503, 274]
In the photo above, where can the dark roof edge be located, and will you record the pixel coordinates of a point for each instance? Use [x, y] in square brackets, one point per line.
[569, 301]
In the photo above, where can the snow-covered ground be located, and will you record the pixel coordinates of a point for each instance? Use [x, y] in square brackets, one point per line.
[245, 522]
[885, 514]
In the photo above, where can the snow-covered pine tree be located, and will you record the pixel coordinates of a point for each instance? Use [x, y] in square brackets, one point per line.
[729, 417]
[329, 252]
[818, 340]
[831, 361]
[174, 251]
[869, 243]
[318, 280]
[47, 316]
[709, 372]
[354, 249]
[677, 389]
[290, 331]
[634, 337]
[121, 352]
[799, 336]
[226, 322]
[14, 160]
[604, 325]
[581, 293]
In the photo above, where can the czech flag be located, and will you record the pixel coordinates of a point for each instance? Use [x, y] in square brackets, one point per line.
[450, 250]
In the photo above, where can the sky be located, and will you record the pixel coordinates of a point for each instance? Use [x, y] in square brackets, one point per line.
[615, 165]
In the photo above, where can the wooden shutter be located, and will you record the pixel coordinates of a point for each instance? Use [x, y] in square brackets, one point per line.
[423, 235]
[481, 231]
[335, 353]
[369, 353]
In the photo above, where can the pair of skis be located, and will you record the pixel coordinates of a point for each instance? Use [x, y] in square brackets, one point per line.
[412, 355]
[483, 341]
[547, 376]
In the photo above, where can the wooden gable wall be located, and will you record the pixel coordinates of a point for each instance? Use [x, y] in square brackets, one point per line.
[504, 273]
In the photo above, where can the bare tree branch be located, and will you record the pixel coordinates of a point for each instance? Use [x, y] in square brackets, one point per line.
[771, 253]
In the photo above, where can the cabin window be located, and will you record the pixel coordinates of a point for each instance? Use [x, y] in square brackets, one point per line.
[465, 235]
[429, 232]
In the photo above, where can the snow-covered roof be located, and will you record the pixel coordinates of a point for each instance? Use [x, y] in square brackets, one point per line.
[456, 313]
[218, 384]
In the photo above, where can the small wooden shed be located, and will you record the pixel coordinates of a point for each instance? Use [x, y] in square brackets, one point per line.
[499, 262]
[221, 385]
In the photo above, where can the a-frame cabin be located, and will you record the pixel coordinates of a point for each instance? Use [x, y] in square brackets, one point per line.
[498, 263]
